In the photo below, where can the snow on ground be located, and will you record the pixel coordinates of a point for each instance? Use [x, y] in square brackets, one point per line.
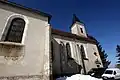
[78, 77]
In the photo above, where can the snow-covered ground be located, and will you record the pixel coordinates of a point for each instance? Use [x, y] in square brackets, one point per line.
[78, 77]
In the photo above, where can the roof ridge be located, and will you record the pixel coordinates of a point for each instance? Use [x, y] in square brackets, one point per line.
[68, 34]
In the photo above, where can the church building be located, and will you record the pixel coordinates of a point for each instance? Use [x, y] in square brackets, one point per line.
[31, 49]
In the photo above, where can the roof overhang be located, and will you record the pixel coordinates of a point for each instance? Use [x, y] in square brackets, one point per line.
[26, 8]
[73, 36]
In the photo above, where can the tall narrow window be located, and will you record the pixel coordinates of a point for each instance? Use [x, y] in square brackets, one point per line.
[81, 30]
[62, 51]
[68, 49]
[61, 47]
[62, 56]
[78, 51]
[15, 31]
[83, 52]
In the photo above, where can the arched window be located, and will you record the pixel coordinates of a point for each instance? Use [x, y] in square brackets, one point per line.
[83, 52]
[61, 47]
[62, 55]
[68, 49]
[78, 51]
[15, 31]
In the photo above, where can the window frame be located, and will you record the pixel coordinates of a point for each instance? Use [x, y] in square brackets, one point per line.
[16, 27]
[78, 52]
[69, 52]
[81, 30]
[7, 26]
[85, 52]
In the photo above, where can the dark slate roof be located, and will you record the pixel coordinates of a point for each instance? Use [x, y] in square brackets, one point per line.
[73, 36]
[26, 8]
[91, 37]
[76, 19]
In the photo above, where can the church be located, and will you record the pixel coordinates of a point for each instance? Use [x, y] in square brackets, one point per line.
[31, 49]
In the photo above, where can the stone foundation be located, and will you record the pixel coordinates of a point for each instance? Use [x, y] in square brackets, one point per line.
[29, 77]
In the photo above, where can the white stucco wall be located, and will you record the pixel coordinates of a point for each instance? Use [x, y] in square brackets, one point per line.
[90, 48]
[56, 63]
[75, 29]
[35, 41]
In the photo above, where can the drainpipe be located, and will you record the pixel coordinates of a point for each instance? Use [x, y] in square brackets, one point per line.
[83, 63]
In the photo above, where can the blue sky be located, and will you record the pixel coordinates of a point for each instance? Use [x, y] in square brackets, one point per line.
[102, 18]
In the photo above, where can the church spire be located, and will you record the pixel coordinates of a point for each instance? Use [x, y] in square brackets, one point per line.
[75, 19]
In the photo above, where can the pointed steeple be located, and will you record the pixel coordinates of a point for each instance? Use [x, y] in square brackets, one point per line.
[75, 19]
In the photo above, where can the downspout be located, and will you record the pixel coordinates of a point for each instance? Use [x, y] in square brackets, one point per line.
[83, 63]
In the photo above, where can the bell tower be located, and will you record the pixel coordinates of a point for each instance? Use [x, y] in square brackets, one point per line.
[78, 27]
